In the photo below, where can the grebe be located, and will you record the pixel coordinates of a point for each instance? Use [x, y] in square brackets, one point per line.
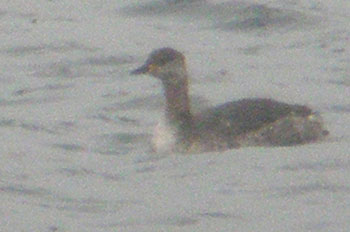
[246, 122]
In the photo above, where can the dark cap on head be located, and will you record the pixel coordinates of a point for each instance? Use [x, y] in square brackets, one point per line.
[157, 59]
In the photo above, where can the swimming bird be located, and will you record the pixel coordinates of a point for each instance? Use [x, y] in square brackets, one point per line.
[246, 122]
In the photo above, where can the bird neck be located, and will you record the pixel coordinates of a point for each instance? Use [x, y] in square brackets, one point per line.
[178, 112]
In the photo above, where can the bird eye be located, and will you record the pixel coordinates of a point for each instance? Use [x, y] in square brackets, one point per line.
[152, 67]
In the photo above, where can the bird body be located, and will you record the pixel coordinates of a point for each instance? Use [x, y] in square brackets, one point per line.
[246, 122]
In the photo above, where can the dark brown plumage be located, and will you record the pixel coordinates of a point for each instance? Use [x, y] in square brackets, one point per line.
[247, 122]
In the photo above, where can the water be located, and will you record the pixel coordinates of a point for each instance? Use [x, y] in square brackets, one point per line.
[75, 126]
